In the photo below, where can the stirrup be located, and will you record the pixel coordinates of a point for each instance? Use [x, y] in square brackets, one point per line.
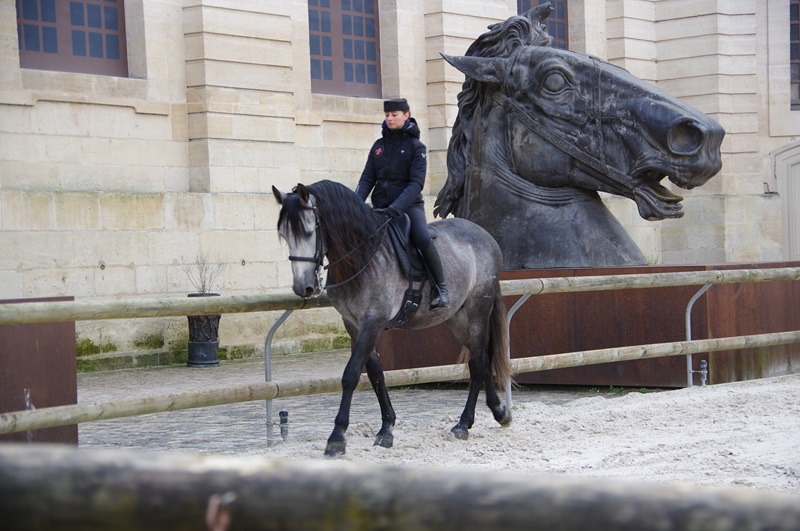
[440, 301]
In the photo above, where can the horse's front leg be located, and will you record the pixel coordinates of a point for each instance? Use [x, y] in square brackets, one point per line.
[363, 346]
[385, 437]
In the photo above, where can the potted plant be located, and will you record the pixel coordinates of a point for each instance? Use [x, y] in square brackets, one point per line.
[203, 329]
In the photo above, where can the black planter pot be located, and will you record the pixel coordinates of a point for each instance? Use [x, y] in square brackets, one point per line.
[203, 337]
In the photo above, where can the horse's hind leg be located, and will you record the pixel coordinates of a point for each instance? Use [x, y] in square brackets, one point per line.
[477, 367]
[384, 437]
[501, 413]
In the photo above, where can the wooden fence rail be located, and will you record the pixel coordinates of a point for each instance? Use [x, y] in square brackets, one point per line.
[127, 407]
[66, 488]
[94, 309]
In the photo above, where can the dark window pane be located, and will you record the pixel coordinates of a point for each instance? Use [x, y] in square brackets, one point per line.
[95, 44]
[325, 3]
[112, 47]
[369, 7]
[794, 53]
[346, 5]
[795, 92]
[313, 20]
[316, 69]
[372, 74]
[347, 45]
[93, 16]
[49, 40]
[358, 26]
[795, 71]
[325, 21]
[348, 72]
[78, 43]
[111, 15]
[48, 10]
[361, 73]
[347, 25]
[372, 54]
[794, 32]
[327, 47]
[76, 14]
[30, 10]
[327, 70]
[369, 29]
[794, 13]
[313, 3]
[32, 38]
[313, 45]
[359, 50]
[358, 6]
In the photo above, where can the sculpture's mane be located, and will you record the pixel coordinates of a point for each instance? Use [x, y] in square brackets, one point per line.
[500, 41]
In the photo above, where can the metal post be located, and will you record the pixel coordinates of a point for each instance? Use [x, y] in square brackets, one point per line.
[268, 370]
[510, 314]
[688, 316]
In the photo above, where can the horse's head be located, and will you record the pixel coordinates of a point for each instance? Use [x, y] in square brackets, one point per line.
[298, 225]
[569, 119]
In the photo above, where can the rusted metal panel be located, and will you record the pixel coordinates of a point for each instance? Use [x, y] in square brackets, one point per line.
[38, 369]
[754, 308]
[568, 322]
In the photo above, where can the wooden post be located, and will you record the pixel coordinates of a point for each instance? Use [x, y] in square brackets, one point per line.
[60, 488]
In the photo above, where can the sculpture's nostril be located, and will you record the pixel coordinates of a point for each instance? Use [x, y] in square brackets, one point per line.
[309, 291]
[685, 138]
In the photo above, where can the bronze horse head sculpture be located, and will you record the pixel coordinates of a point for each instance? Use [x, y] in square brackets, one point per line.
[540, 131]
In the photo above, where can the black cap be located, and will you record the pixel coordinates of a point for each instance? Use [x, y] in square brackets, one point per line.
[400, 104]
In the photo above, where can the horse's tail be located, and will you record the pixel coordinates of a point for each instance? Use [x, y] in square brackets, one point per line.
[498, 341]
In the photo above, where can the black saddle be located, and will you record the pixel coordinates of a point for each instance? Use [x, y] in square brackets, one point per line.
[412, 265]
[408, 255]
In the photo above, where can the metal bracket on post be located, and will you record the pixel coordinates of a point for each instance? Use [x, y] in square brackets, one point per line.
[510, 314]
[268, 375]
[703, 363]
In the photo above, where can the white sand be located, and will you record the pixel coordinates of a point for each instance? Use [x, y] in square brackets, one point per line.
[745, 433]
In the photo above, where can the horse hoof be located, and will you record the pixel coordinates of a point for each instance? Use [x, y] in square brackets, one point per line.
[504, 418]
[386, 441]
[335, 448]
[460, 433]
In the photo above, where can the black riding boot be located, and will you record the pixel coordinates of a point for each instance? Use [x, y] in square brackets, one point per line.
[431, 256]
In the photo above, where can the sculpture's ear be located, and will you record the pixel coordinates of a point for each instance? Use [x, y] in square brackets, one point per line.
[303, 192]
[485, 69]
[279, 196]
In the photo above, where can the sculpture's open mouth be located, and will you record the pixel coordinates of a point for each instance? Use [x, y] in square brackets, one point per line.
[653, 199]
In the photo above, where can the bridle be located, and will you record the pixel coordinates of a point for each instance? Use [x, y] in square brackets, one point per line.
[319, 252]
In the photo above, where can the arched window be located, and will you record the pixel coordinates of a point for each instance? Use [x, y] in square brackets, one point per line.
[73, 36]
[557, 25]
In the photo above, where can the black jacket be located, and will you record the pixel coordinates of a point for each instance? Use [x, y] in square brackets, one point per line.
[395, 169]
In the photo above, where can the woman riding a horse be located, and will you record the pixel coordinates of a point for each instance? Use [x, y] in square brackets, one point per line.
[395, 174]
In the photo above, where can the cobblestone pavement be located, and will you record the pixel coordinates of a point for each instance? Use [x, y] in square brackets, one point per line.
[240, 429]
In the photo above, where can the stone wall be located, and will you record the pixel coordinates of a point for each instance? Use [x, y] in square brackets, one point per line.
[109, 185]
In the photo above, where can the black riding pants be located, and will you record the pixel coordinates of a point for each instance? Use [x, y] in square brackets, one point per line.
[420, 234]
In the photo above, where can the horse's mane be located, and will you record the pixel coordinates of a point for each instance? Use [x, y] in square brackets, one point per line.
[350, 227]
[501, 40]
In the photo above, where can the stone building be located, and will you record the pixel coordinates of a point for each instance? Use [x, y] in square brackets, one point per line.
[137, 134]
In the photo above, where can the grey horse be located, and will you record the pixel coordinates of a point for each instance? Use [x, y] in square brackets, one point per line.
[366, 286]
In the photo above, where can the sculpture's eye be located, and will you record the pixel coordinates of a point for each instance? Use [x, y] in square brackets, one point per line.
[555, 82]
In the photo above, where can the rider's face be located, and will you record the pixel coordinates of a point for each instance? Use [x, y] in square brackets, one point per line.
[396, 119]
